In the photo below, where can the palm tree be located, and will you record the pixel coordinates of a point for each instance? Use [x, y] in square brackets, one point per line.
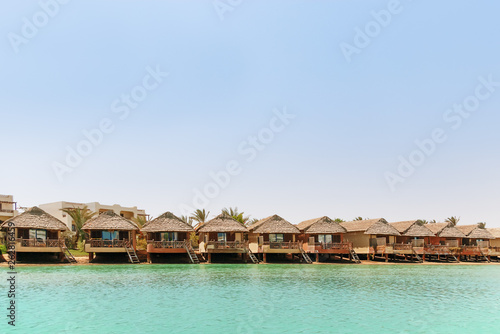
[238, 216]
[358, 218]
[141, 220]
[453, 221]
[201, 216]
[187, 220]
[79, 216]
[481, 225]
[338, 220]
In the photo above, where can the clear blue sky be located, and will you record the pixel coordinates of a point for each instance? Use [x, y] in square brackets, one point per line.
[352, 119]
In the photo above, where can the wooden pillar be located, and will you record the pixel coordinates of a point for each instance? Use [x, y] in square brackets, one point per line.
[149, 257]
[386, 257]
[91, 256]
[264, 258]
[209, 257]
[317, 257]
[134, 240]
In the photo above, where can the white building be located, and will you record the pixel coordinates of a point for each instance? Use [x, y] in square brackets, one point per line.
[8, 208]
[55, 209]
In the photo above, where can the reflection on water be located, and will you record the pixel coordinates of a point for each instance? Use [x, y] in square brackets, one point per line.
[258, 299]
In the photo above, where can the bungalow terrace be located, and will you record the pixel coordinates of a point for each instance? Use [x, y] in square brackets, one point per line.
[275, 235]
[371, 237]
[38, 232]
[324, 236]
[224, 235]
[412, 241]
[445, 243]
[495, 243]
[168, 234]
[111, 233]
[476, 243]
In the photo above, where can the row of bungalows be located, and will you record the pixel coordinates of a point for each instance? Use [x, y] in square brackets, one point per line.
[270, 239]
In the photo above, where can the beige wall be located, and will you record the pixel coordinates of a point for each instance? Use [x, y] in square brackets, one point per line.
[6, 208]
[55, 210]
[495, 242]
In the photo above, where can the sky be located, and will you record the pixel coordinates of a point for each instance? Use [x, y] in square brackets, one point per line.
[297, 108]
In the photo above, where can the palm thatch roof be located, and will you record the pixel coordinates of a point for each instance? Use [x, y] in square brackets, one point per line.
[411, 228]
[323, 225]
[110, 221]
[36, 218]
[273, 224]
[377, 226]
[474, 232]
[223, 224]
[445, 230]
[167, 222]
[495, 232]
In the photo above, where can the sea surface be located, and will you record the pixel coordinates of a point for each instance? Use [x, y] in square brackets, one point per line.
[255, 299]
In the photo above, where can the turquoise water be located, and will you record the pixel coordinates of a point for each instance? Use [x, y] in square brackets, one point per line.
[256, 299]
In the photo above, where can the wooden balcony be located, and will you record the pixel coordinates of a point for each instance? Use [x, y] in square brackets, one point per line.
[282, 247]
[227, 247]
[106, 246]
[166, 246]
[330, 248]
[39, 245]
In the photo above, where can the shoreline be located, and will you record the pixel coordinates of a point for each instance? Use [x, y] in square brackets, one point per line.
[83, 261]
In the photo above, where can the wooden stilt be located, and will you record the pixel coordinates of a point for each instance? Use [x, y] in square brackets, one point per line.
[264, 258]
[91, 256]
[149, 257]
[209, 257]
[386, 257]
[317, 257]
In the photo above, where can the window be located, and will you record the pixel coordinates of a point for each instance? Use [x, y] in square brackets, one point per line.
[40, 235]
[325, 238]
[108, 235]
[221, 237]
[169, 236]
[276, 237]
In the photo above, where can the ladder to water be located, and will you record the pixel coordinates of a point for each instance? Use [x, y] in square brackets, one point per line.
[252, 256]
[192, 255]
[305, 256]
[354, 256]
[132, 255]
[419, 259]
[67, 253]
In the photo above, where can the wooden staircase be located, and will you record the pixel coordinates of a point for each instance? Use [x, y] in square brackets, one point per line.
[483, 255]
[354, 256]
[67, 253]
[419, 259]
[132, 256]
[252, 256]
[305, 256]
[192, 255]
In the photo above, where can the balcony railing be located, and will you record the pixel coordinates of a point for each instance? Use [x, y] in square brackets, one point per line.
[6, 210]
[167, 244]
[108, 243]
[284, 245]
[334, 245]
[402, 246]
[40, 242]
[228, 244]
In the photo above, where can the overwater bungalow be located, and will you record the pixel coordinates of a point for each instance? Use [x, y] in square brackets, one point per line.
[412, 241]
[168, 234]
[371, 237]
[324, 238]
[445, 244]
[495, 243]
[110, 233]
[476, 243]
[36, 231]
[223, 235]
[274, 235]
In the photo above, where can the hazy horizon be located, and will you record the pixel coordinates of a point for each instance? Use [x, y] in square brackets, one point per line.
[380, 109]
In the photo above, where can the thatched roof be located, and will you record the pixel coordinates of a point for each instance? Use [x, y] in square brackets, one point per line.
[110, 221]
[221, 223]
[273, 224]
[474, 232]
[323, 225]
[445, 230]
[167, 222]
[36, 218]
[377, 226]
[495, 232]
[411, 228]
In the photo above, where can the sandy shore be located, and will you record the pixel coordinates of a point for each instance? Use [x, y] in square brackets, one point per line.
[84, 261]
